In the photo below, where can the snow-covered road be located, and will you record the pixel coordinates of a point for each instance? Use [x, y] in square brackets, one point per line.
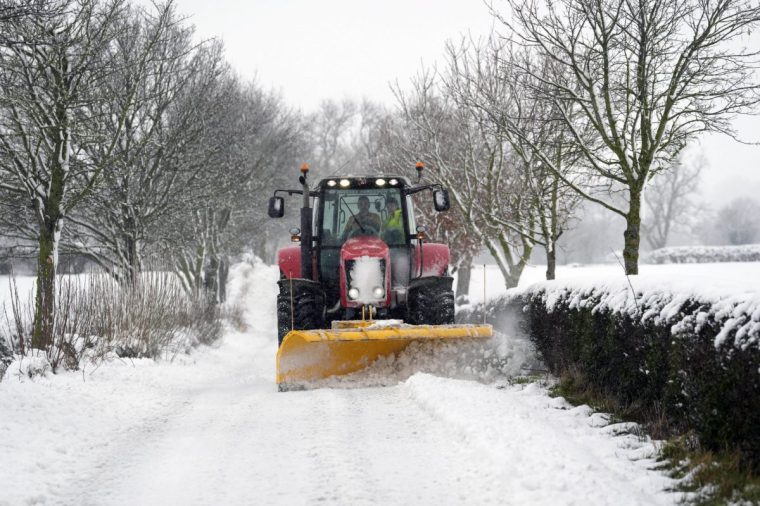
[212, 429]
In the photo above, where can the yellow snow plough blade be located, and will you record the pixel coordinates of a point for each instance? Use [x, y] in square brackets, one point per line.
[307, 355]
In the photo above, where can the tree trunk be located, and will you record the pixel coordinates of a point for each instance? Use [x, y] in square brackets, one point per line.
[224, 270]
[551, 261]
[211, 281]
[50, 220]
[44, 310]
[632, 234]
[464, 273]
[502, 251]
[132, 251]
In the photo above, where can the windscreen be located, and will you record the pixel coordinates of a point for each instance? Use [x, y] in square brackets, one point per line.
[352, 212]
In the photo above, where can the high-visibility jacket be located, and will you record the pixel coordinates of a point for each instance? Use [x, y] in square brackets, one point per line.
[394, 221]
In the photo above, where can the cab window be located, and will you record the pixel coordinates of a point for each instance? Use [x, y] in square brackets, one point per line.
[350, 213]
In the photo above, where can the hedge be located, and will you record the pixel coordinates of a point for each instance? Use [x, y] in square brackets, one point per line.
[695, 361]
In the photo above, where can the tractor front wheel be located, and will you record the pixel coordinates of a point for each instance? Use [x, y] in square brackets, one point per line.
[431, 301]
[304, 310]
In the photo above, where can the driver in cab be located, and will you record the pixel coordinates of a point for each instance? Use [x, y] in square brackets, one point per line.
[364, 222]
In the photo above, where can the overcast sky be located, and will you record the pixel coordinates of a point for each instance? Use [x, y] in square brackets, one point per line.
[311, 50]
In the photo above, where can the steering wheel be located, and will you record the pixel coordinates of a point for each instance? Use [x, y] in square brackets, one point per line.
[369, 229]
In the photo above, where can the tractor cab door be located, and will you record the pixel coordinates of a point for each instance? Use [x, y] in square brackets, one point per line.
[401, 251]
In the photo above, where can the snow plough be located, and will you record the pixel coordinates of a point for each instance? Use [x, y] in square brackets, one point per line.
[362, 281]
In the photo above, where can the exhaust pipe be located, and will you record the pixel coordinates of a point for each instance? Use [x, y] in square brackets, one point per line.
[306, 260]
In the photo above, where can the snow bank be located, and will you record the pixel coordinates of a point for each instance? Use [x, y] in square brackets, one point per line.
[64, 438]
[580, 467]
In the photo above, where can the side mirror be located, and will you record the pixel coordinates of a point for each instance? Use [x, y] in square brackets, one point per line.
[441, 200]
[276, 207]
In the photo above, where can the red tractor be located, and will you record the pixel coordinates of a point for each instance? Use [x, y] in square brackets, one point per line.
[361, 258]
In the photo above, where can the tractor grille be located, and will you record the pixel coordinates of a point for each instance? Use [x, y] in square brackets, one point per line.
[350, 268]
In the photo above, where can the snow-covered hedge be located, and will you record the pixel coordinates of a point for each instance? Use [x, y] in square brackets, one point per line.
[704, 254]
[693, 355]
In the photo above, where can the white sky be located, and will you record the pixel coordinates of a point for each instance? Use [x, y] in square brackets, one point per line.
[312, 50]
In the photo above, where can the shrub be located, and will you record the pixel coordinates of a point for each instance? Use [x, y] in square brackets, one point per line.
[6, 356]
[96, 316]
[698, 365]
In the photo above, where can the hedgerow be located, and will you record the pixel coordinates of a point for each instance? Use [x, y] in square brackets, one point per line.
[694, 362]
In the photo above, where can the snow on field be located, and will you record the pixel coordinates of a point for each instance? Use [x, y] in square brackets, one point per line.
[211, 428]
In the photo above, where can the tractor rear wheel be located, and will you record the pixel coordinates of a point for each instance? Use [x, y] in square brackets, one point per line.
[431, 302]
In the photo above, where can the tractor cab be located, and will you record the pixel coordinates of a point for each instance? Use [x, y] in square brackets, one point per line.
[354, 215]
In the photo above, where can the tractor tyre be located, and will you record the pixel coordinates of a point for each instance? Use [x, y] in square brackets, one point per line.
[431, 302]
[307, 304]
[283, 318]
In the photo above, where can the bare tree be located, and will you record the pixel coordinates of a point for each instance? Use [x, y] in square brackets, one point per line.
[480, 80]
[143, 178]
[51, 77]
[248, 133]
[646, 77]
[468, 153]
[331, 130]
[371, 138]
[384, 139]
[669, 201]
[14, 10]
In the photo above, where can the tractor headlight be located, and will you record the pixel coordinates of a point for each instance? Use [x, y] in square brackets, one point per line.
[378, 292]
[345, 183]
[353, 293]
